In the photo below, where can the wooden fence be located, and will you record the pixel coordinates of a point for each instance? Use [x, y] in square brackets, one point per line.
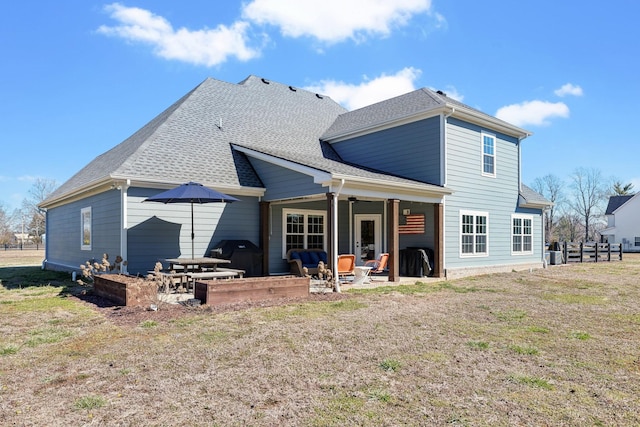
[590, 252]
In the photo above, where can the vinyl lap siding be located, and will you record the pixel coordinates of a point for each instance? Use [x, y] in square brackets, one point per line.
[277, 264]
[157, 231]
[281, 183]
[64, 231]
[472, 191]
[411, 150]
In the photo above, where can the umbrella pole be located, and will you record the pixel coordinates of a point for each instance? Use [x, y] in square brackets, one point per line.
[192, 234]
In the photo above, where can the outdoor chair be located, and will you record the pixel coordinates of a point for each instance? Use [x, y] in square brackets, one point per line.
[346, 265]
[378, 265]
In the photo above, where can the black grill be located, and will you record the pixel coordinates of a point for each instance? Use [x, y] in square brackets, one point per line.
[243, 254]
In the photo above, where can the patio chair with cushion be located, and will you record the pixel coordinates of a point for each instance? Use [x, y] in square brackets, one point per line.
[378, 265]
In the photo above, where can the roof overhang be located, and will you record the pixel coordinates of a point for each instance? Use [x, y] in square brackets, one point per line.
[533, 204]
[355, 185]
[112, 182]
[457, 111]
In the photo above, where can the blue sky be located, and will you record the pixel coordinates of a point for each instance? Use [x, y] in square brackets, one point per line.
[80, 76]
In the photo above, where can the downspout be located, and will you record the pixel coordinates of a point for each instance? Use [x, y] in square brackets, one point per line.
[334, 240]
[443, 147]
[124, 222]
[46, 241]
[520, 138]
[544, 239]
[444, 177]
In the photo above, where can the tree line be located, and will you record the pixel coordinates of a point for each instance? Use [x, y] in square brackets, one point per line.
[579, 204]
[28, 219]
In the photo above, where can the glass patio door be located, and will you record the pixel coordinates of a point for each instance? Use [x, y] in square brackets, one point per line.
[368, 242]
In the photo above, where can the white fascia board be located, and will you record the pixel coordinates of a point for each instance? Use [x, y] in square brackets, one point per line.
[319, 176]
[391, 190]
[228, 189]
[488, 121]
[90, 189]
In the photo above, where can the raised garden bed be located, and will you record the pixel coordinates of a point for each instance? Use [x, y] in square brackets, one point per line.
[217, 292]
[125, 290]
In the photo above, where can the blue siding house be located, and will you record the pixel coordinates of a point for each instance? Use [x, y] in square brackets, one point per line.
[417, 171]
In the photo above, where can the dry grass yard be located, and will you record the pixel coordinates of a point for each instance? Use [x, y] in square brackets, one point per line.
[554, 347]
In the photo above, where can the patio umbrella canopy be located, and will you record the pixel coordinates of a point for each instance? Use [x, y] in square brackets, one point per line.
[191, 192]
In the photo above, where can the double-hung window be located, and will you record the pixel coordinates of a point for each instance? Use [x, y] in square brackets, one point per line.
[637, 241]
[303, 229]
[521, 234]
[488, 155]
[474, 227]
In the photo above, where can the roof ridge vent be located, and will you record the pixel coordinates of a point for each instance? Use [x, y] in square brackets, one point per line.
[293, 89]
[319, 96]
[265, 81]
[439, 92]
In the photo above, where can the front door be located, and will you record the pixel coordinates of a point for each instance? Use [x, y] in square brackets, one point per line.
[368, 242]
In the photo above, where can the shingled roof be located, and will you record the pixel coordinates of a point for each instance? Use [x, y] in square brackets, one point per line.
[419, 102]
[193, 139]
[532, 198]
[615, 202]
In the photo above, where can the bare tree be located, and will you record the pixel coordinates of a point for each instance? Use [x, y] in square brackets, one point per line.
[552, 188]
[33, 217]
[5, 226]
[589, 194]
[622, 190]
[569, 227]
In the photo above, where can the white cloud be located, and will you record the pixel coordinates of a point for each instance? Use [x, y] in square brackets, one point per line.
[535, 113]
[201, 47]
[353, 96]
[569, 89]
[332, 21]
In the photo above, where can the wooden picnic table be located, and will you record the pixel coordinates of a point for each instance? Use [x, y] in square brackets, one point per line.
[196, 264]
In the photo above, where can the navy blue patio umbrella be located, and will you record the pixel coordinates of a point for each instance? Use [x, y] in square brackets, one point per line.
[191, 192]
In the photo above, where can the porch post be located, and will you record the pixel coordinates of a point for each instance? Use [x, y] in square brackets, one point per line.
[393, 239]
[438, 240]
[264, 236]
[332, 237]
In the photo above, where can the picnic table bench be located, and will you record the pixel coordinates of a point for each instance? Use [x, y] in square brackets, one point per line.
[173, 278]
[218, 274]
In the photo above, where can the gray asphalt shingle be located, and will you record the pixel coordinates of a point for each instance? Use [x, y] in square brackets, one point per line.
[192, 139]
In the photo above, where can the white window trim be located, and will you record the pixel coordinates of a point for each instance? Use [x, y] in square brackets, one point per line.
[522, 252]
[474, 254]
[306, 213]
[495, 154]
[83, 212]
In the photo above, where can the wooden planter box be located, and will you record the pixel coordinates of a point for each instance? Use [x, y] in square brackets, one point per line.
[125, 290]
[216, 292]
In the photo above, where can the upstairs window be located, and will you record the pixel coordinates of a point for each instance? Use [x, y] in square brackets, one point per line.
[521, 234]
[474, 233]
[488, 155]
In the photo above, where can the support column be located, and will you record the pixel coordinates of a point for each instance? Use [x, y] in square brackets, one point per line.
[393, 217]
[332, 237]
[438, 240]
[264, 236]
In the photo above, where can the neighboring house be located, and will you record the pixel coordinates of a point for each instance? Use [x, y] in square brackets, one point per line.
[623, 225]
[419, 170]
